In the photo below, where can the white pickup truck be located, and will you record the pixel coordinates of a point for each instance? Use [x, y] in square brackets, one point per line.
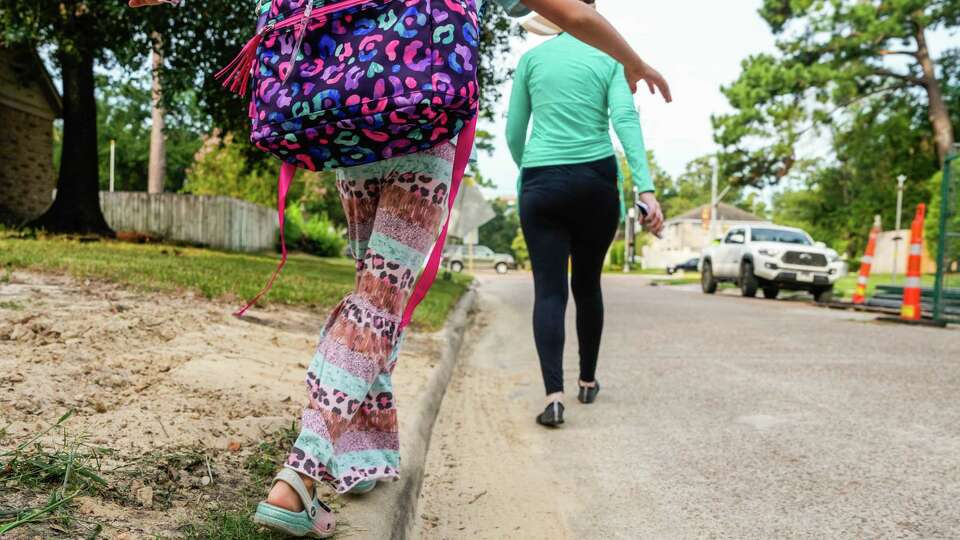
[771, 258]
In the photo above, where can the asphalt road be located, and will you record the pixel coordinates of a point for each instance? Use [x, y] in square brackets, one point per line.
[720, 417]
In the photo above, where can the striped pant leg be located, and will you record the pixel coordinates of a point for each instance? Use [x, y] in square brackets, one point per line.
[349, 432]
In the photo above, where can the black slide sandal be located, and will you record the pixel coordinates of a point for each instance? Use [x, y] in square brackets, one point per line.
[552, 416]
[589, 394]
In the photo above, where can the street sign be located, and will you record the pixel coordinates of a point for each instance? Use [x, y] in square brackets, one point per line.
[470, 212]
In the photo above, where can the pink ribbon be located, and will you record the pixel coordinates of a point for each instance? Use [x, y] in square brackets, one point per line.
[287, 172]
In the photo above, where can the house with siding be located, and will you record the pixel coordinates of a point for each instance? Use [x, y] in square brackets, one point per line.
[29, 103]
[685, 236]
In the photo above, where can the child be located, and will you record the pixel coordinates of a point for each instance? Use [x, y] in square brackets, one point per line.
[395, 209]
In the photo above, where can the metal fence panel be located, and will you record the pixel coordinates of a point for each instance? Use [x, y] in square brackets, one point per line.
[946, 290]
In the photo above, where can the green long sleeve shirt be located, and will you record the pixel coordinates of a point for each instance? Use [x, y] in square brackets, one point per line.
[573, 92]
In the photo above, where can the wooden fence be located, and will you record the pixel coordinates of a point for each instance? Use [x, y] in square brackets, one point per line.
[217, 222]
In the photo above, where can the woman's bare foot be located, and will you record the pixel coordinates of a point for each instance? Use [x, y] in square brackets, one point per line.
[556, 396]
[283, 496]
[587, 384]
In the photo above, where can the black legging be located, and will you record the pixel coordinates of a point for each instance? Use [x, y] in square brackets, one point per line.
[569, 213]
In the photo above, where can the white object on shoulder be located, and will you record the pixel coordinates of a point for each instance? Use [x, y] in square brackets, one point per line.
[541, 26]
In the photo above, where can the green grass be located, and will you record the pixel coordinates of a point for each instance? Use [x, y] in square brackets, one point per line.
[635, 270]
[10, 305]
[846, 285]
[48, 474]
[270, 452]
[65, 469]
[231, 520]
[223, 524]
[306, 280]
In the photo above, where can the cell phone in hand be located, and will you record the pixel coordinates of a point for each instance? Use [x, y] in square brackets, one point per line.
[645, 213]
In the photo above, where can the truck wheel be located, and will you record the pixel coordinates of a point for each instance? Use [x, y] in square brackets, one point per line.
[707, 282]
[456, 266]
[823, 295]
[748, 281]
[771, 292]
[501, 268]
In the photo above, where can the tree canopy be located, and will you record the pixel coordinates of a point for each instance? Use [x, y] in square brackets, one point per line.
[198, 39]
[81, 33]
[834, 58]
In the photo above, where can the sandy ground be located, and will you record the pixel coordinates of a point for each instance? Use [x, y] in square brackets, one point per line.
[719, 417]
[485, 477]
[152, 375]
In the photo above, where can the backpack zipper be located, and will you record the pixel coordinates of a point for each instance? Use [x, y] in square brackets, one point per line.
[309, 13]
[237, 74]
[304, 21]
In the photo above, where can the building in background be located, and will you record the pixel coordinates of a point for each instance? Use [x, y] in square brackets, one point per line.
[887, 246]
[29, 103]
[685, 236]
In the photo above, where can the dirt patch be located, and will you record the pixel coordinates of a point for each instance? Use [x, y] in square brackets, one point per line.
[186, 407]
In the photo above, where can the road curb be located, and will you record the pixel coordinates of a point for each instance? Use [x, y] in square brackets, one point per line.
[401, 507]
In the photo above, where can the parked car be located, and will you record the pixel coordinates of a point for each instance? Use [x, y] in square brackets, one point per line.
[456, 258]
[689, 266]
[771, 258]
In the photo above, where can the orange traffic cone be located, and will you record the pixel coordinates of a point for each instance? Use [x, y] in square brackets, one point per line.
[912, 309]
[866, 263]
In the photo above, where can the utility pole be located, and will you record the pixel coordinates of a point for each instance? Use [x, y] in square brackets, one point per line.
[896, 239]
[113, 162]
[714, 200]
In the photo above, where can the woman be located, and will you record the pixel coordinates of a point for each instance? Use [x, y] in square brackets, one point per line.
[569, 198]
[394, 208]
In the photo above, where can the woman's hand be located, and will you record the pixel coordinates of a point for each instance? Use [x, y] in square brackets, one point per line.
[142, 3]
[654, 220]
[655, 81]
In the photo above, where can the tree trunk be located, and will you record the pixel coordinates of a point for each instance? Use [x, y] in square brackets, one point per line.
[158, 144]
[76, 208]
[943, 133]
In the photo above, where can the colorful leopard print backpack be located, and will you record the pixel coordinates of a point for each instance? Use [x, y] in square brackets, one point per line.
[339, 83]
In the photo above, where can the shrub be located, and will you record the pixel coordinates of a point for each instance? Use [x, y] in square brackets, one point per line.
[315, 235]
[221, 168]
[519, 249]
[618, 254]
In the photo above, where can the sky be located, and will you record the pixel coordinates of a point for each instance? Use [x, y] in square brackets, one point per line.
[696, 44]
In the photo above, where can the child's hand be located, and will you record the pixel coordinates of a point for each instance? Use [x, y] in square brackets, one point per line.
[655, 81]
[142, 3]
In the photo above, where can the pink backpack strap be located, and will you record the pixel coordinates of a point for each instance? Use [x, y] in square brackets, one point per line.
[287, 172]
[429, 275]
